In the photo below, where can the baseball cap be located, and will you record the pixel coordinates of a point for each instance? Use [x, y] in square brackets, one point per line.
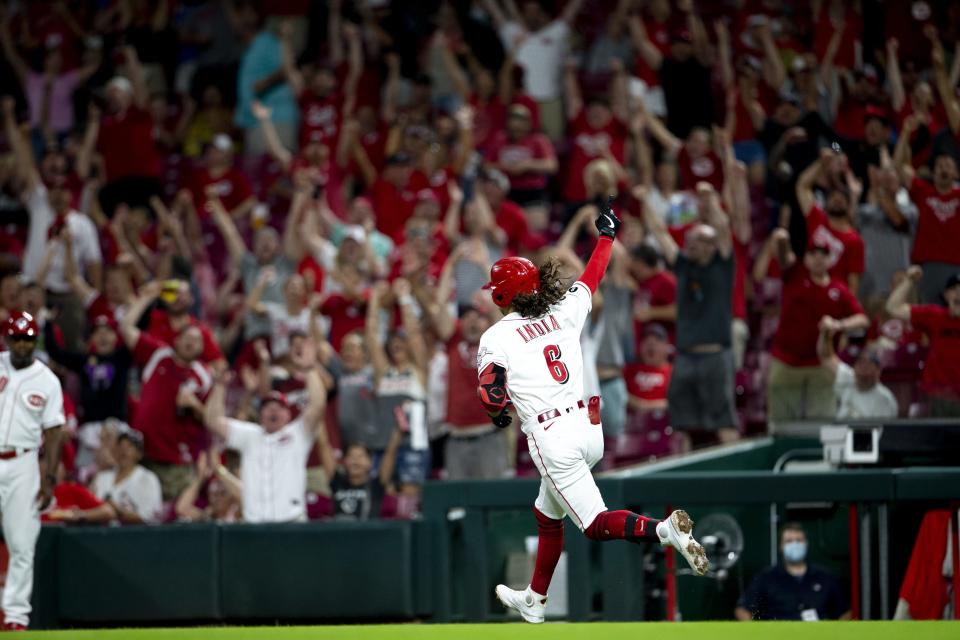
[222, 142]
[427, 195]
[121, 83]
[398, 158]
[133, 436]
[22, 324]
[519, 110]
[818, 244]
[952, 281]
[104, 320]
[354, 232]
[875, 112]
[655, 329]
[275, 396]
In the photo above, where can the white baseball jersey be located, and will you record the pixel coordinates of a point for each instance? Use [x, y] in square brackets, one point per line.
[31, 400]
[273, 469]
[542, 355]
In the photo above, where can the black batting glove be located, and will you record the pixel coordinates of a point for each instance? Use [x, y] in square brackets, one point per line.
[608, 224]
[502, 420]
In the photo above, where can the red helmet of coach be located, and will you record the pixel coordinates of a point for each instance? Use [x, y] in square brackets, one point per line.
[22, 324]
[510, 276]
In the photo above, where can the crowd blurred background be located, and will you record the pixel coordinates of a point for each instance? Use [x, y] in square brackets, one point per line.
[269, 210]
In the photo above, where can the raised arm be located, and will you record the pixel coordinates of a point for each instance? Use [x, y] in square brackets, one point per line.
[898, 305]
[774, 73]
[901, 153]
[641, 42]
[280, 153]
[267, 276]
[316, 400]
[725, 52]
[898, 96]
[19, 65]
[388, 110]
[354, 67]
[403, 293]
[571, 89]
[291, 73]
[607, 224]
[715, 217]
[804, 188]
[828, 357]
[496, 13]
[84, 164]
[375, 347]
[570, 11]
[231, 236]
[443, 321]
[950, 103]
[215, 410]
[389, 461]
[128, 326]
[141, 96]
[656, 226]
[23, 156]
[781, 244]
[671, 143]
[461, 84]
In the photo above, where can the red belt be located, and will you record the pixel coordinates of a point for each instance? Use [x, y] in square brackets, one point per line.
[10, 455]
[555, 413]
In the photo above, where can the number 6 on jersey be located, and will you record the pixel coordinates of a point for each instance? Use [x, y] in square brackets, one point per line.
[551, 353]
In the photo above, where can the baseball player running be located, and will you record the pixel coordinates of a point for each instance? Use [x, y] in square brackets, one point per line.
[31, 413]
[532, 357]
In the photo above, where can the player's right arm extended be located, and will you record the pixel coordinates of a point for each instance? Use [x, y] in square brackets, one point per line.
[493, 393]
[607, 224]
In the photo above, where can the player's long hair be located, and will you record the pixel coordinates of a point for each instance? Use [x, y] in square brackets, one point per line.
[552, 289]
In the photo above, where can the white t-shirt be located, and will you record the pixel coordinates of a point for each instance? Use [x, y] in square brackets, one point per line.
[139, 492]
[878, 402]
[31, 400]
[282, 324]
[541, 54]
[273, 469]
[86, 243]
[542, 355]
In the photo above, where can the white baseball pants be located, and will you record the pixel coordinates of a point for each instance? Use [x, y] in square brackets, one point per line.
[19, 484]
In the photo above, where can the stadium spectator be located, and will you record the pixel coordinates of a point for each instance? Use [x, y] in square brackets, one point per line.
[701, 384]
[858, 389]
[941, 325]
[132, 490]
[169, 413]
[273, 453]
[74, 503]
[214, 494]
[649, 379]
[656, 294]
[795, 589]
[798, 387]
[358, 494]
[539, 45]
[172, 315]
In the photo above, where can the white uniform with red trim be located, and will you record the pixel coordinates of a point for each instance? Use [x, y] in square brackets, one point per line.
[31, 400]
[544, 366]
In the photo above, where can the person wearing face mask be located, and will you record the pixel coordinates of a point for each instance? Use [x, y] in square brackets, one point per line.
[794, 589]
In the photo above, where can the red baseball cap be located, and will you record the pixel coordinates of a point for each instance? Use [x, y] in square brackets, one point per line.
[22, 324]
[275, 396]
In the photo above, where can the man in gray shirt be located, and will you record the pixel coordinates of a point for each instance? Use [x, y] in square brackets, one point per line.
[700, 397]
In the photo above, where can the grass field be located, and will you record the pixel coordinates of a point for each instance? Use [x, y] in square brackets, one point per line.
[559, 631]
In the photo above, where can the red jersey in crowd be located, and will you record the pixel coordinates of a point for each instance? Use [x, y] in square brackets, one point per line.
[463, 410]
[70, 495]
[346, 315]
[941, 374]
[586, 145]
[320, 118]
[329, 176]
[647, 382]
[169, 435]
[938, 224]
[488, 119]
[659, 290]
[804, 304]
[161, 329]
[231, 186]
[394, 205]
[659, 36]
[846, 247]
[127, 144]
[534, 146]
[705, 168]
[511, 218]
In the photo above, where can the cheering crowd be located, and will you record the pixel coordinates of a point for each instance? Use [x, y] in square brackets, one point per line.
[255, 234]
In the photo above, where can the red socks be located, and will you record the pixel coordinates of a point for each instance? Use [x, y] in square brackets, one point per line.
[550, 533]
[622, 525]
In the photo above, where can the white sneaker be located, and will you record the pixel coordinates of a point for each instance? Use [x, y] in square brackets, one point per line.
[677, 531]
[527, 603]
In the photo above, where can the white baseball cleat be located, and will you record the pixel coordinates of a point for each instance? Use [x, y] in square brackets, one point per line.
[677, 531]
[528, 604]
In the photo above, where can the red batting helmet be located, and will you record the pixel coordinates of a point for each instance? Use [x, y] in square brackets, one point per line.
[22, 324]
[510, 276]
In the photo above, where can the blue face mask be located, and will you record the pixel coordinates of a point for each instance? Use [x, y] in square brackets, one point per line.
[795, 551]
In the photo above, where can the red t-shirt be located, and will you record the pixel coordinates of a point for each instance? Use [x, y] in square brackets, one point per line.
[374, 145]
[168, 437]
[346, 315]
[647, 382]
[941, 374]
[846, 247]
[804, 303]
[586, 145]
[68, 495]
[488, 119]
[320, 118]
[232, 186]
[534, 146]
[161, 329]
[513, 221]
[330, 176]
[659, 35]
[463, 408]
[98, 305]
[393, 206]
[938, 225]
[127, 144]
[659, 290]
[693, 170]
[849, 120]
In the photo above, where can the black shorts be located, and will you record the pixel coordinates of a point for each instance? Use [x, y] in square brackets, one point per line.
[700, 396]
